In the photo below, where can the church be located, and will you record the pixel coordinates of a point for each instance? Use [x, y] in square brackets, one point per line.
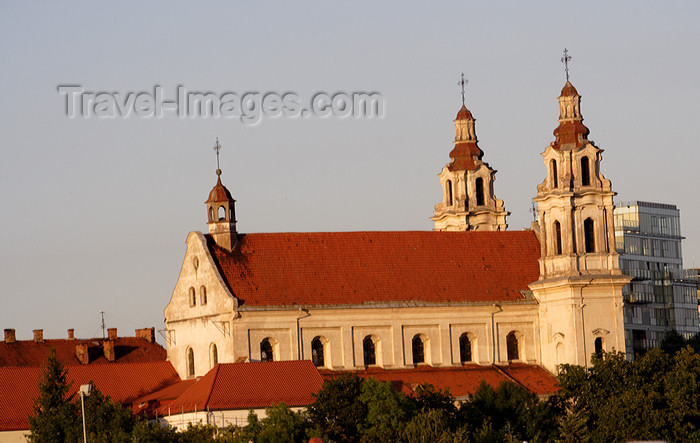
[469, 293]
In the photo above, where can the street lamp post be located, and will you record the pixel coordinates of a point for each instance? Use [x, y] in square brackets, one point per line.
[84, 390]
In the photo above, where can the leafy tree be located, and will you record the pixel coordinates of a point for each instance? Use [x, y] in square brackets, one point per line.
[426, 397]
[106, 421]
[55, 417]
[337, 410]
[282, 425]
[673, 342]
[145, 432]
[387, 411]
[428, 426]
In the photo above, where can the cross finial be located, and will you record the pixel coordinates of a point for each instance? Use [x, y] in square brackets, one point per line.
[217, 147]
[565, 60]
[463, 82]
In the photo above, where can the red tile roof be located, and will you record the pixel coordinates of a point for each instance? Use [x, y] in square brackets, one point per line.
[350, 268]
[123, 382]
[461, 381]
[31, 353]
[256, 385]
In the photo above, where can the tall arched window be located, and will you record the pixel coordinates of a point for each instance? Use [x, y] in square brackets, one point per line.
[369, 351]
[418, 348]
[213, 355]
[512, 346]
[598, 346]
[317, 355]
[190, 362]
[589, 235]
[203, 295]
[479, 191]
[448, 185]
[555, 176]
[221, 213]
[585, 172]
[266, 350]
[193, 297]
[557, 237]
[465, 348]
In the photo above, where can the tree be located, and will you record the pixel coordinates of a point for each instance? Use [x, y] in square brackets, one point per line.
[388, 410]
[106, 421]
[55, 417]
[337, 410]
[282, 425]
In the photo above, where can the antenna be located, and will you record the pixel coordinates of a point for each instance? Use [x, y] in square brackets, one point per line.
[103, 324]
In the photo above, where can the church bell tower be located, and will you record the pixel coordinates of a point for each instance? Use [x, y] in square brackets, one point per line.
[221, 211]
[468, 202]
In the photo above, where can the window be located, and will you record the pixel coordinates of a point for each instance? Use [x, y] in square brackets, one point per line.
[190, 362]
[599, 346]
[266, 350]
[479, 191]
[213, 355]
[317, 352]
[368, 351]
[418, 348]
[512, 345]
[193, 298]
[222, 213]
[203, 295]
[589, 234]
[465, 348]
[449, 192]
[557, 237]
[585, 173]
[555, 177]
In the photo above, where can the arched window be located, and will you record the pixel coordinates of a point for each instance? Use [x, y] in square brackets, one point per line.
[555, 176]
[317, 355]
[211, 214]
[598, 346]
[589, 235]
[465, 348]
[369, 351]
[479, 191]
[266, 350]
[512, 345]
[449, 192]
[418, 348]
[193, 297]
[585, 175]
[213, 355]
[190, 362]
[222, 213]
[203, 295]
[557, 237]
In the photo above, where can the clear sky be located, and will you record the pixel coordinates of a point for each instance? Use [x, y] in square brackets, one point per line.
[95, 211]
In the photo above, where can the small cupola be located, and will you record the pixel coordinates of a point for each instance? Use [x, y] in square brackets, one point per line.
[221, 211]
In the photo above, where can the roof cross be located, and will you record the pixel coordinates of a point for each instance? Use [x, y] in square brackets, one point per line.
[463, 82]
[565, 60]
[217, 148]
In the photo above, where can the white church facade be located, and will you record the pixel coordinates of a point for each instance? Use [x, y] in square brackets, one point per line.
[468, 292]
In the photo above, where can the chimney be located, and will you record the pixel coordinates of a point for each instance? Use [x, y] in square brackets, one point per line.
[147, 333]
[10, 336]
[112, 333]
[81, 353]
[108, 346]
[38, 336]
[71, 334]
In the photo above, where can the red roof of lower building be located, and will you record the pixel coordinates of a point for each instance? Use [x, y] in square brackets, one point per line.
[123, 382]
[461, 381]
[230, 386]
[351, 268]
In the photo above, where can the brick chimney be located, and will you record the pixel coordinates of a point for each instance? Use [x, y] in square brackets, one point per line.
[112, 333]
[10, 336]
[39, 336]
[147, 333]
[108, 346]
[71, 334]
[81, 353]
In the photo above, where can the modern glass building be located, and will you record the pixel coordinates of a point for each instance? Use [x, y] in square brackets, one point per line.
[662, 296]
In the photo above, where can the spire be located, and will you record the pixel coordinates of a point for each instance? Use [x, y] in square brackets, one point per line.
[466, 154]
[221, 210]
[571, 132]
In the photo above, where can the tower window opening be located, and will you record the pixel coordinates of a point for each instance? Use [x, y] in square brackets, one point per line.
[211, 214]
[585, 172]
[449, 192]
[203, 295]
[190, 362]
[418, 348]
[479, 191]
[555, 177]
[512, 346]
[317, 352]
[465, 348]
[557, 237]
[599, 346]
[589, 235]
[213, 355]
[193, 298]
[369, 351]
[266, 350]
[221, 213]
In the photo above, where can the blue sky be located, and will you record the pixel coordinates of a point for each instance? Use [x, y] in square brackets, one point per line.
[95, 211]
